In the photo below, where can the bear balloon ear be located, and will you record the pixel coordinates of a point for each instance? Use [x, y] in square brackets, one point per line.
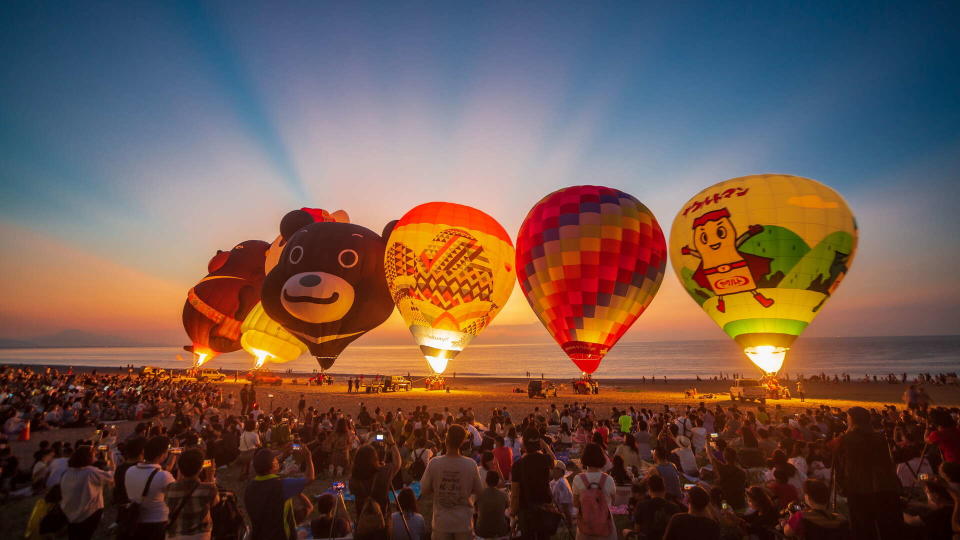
[340, 216]
[293, 222]
[388, 228]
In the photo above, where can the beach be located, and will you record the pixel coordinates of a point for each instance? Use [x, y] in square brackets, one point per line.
[485, 394]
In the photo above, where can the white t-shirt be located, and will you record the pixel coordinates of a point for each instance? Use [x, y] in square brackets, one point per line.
[249, 440]
[153, 507]
[698, 437]
[687, 460]
[609, 486]
[452, 480]
[82, 491]
[57, 467]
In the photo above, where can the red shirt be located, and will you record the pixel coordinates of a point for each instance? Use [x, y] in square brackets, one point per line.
[948, 439]
[604, 433]
[784, 493]
[503, 456]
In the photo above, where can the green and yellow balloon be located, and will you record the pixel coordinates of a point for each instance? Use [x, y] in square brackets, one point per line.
[761, 255]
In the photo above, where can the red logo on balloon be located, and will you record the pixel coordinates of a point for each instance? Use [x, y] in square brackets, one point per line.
[735, 281]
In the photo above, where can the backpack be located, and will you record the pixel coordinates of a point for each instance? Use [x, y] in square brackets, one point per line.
[128, 513]
[594, 510]
[228, 523]
[418, 467]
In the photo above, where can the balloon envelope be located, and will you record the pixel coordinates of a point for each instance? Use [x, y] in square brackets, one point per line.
[761, 254]
[589, 260]
[449, 268]
[328, 287]
[218, 304]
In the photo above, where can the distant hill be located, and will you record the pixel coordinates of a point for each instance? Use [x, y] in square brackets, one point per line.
[71, 338]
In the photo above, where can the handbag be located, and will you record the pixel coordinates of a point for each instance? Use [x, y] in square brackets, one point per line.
[128, 514]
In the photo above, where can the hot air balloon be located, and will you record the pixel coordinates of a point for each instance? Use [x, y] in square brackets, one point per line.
[449, 268]
[589, 260]
[761, 254]
[328, 287]
[261, 336]
[216, 307]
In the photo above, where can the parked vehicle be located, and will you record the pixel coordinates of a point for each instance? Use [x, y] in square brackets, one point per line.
[263, 376]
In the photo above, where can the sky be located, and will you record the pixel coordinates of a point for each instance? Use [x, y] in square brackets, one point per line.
[137, 138]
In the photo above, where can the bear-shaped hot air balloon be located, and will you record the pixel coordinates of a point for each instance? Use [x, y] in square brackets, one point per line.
[761, 254]
[263, 337]
[328, 287]
[216, 307]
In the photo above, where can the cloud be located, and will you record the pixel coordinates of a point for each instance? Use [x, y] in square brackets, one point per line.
[811, 201]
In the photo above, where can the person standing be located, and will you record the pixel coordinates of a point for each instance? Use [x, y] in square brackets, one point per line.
[800, 390]
[152, 523]
[301, 405]
[350, 385]
[868, 478]
[451, 480]
[268, 498]
[81, 488]
[593, 493]
[249, 442]
[191, 498]
[530, 497]
[244, 400]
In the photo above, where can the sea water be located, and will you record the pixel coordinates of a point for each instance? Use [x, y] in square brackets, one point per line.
[674, 359]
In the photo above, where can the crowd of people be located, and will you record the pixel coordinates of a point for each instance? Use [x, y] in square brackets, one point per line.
[569, 469]
[51, 398]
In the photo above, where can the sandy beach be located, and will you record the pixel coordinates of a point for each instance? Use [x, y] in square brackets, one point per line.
[484, 394]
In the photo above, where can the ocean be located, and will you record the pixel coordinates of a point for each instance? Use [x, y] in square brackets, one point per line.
[674, 359]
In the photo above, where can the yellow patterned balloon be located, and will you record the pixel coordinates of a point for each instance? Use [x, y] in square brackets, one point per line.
[761, 254]
[449, 268]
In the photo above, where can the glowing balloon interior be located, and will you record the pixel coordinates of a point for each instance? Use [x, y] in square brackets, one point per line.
[761, 255]
[449, 269]
[589, 261]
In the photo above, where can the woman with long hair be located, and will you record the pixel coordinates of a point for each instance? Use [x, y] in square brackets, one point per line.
[370, 477]
[762, 520]
[629, 452]
[341, 442]
[407, 518]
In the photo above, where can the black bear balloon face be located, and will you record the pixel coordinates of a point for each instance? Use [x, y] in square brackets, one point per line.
[328, 288]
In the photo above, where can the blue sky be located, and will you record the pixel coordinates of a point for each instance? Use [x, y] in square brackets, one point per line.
[137, 138]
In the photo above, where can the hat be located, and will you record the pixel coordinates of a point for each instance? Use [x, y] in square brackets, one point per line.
[531, 435]
[559, 465]
[683, 441]
[263, 460]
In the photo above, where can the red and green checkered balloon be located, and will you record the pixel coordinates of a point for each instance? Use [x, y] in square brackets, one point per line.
[589, 260]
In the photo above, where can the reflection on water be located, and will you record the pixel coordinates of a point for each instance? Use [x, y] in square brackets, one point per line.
[857, 356]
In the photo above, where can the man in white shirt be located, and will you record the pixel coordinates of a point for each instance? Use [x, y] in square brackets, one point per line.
[452, 479]
[153, 506]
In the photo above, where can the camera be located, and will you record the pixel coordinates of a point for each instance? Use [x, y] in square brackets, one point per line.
[339, 486]
[208, 464]
[714, 436]
[296, 447]
[688, 487]
[176, 451]
[795, 507]
[924, 477]
[103, 448]
[379, 436]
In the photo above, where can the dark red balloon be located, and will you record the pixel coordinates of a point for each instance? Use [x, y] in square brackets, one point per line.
[215, 307]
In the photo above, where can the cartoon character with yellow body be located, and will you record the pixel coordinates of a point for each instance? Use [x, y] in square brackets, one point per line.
[723, 268]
